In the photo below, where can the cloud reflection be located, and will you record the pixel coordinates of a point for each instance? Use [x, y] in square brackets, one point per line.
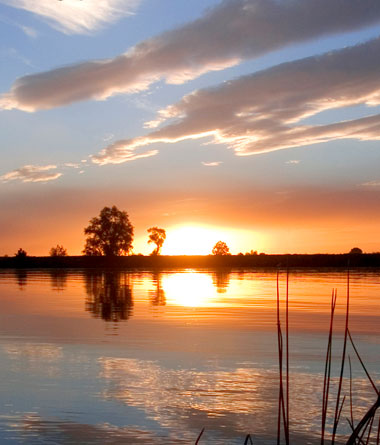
[241, 400]
[31, 426]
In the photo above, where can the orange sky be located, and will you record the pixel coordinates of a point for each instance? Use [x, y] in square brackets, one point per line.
[293, 221]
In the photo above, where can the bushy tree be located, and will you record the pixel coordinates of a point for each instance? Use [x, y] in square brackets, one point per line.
[356, 251]
[21, 253]
[221, 248]
[58, 250]
[109, 234]
[156, 236]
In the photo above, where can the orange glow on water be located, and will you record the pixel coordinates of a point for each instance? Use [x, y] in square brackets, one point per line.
[189, 289]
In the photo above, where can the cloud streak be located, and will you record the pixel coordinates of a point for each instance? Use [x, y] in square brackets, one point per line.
[74, 16]
[232, 31]
[264, 111]
[32, 173]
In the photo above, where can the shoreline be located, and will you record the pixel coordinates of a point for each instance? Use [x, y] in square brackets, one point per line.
[364, 260]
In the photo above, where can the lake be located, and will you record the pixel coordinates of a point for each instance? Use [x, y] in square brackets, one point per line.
[116, 357]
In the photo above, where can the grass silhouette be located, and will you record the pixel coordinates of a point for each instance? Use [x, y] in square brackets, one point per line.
[363, 433]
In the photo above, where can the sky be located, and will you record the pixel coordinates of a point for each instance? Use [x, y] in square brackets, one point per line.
[254, 122]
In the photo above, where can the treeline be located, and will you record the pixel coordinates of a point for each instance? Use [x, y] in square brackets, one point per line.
[197, 261]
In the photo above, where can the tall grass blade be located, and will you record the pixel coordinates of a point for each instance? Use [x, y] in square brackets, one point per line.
[287, 356]
[367, 417]
[200, 435]
[351, 409]
[326, 380]
[281, 403]
[343, 360]
[248, 438]
[370, 430]
[362, 363]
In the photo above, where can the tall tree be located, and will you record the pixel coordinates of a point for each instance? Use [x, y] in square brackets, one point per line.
[109, 234]
[156, 236]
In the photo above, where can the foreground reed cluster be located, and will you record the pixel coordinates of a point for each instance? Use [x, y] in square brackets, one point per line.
[361, 433]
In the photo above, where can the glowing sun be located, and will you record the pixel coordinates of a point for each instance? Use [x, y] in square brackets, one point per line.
[193, 240]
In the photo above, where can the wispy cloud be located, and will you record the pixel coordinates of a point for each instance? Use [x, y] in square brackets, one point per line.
[212, 164]
[375, 183]
[27, 30]
[264, 111]
[293, 161]
[118, 153]
[12, 53]
[72, 165]
[232, 31]
[75, 16]
[32, 173]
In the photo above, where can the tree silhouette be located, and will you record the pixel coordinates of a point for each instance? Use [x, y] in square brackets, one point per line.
[110, 234]
[156, 236]
[58, 251]
[220, 248]
[21, 253]
[356, 251]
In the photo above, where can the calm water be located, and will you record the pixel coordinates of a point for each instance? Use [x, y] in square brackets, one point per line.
[139, 357]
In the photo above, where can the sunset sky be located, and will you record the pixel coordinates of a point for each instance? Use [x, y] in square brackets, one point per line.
[256, 122]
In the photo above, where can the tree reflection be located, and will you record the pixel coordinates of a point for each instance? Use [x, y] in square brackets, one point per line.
[21, 277]
[109, 296]
[58, 280]
[221, 280]
[157, 296]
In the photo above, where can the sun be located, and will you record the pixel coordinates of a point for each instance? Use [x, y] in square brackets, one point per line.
[194, 239]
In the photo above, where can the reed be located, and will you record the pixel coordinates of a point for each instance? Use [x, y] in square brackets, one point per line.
[362, 433]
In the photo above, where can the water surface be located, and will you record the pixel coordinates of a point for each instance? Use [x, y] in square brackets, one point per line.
[139, 357]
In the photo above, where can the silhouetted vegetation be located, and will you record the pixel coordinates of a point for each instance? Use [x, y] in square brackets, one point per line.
[21, 254]
[356, 251]
[196, 261]
[58, 250]
[221, 248]
[109, 234]
[156, 236]
[109, 296]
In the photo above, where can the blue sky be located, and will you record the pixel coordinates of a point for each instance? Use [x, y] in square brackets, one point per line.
[267, 115]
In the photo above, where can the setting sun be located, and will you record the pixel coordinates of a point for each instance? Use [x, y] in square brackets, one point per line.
[199, 239]
[193, 240]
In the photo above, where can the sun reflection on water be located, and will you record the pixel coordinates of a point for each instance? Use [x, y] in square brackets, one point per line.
[190, 289]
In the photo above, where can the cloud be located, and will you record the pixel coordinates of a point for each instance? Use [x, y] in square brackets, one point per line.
[75, 16]
[32, 173]
[118, 153]
[371, 184]
[27, 30]
[293, 161]
[263, 112]
[30, 32]
[230, 32]
[71, 165]
[212, 164]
